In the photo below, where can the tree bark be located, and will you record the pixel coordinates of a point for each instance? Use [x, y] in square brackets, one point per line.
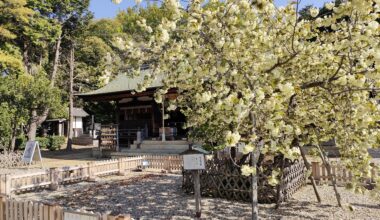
[279, 185]
[311, 178]
[25, 57]
[71, 101]
[332, 177]
[254, 159]
[12, 143]
[56, 60]
[32, 125]
[255, 210]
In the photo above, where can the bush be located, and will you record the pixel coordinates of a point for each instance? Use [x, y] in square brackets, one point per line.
[56, 142]
[21, 142]
[44, 142]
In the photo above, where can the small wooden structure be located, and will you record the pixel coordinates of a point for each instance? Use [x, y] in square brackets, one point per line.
[224, 180]
[137, 115]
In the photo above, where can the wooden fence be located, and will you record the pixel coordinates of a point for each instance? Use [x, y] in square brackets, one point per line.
[164, 162]
[341, 173]
[57, 176]
[11, 209]
[222, 179]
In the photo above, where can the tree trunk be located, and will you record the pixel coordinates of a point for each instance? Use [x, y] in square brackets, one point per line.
[332, 177]
[311, 178]
[279, 185]
[32, 125]
[25, 58]
[255, 210]
[254, 158]
[56, 60]
[71, 101]
[12, 144]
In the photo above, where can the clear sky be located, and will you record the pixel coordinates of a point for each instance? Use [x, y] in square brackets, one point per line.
[107, 9]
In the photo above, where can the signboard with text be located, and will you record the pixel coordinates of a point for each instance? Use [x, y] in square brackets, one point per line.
[194, 162]
[32, 152]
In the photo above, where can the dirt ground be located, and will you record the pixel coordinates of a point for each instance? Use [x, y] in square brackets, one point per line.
[159, 196]
[61, 158]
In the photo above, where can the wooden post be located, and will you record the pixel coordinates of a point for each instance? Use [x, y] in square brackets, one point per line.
[90, 171]
[2, 184]
[53, 179]
[8, 184]
[197, 194]
[316, 172]
[2, 207]
[121, 166]
[123, 217]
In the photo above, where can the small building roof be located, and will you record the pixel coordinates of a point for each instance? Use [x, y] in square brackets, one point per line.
[124, 83]
[79, 112]
[195, 150]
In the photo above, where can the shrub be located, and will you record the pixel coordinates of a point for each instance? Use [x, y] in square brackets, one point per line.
[56, 142]
[21, 142]
[44, 142]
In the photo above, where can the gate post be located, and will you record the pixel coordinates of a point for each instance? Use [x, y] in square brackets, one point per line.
[8, 184]
[120, 166]
[53, 179]
[2, 207]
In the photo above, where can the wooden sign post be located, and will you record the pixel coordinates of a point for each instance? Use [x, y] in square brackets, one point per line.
[32, 152]
[194, 161]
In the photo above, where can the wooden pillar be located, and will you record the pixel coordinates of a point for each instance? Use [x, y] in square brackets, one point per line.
[163, 119]
[153, 119]
[197, 193]
[117, 124]
[8, 184]
[59, 128]
[53, 179]
[121, 167]
[2, 207]
[91, 176]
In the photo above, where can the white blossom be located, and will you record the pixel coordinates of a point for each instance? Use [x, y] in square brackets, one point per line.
[330, 5]
[247, 170]
[232, 138]
[314, 12]
[373, 25]
[117, 1]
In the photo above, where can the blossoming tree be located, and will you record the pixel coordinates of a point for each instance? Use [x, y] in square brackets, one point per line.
[258, 74]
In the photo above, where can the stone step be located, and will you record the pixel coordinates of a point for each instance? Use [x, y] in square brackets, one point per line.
[82, 141]
[175, 142]
[160, 147]
[142, 151]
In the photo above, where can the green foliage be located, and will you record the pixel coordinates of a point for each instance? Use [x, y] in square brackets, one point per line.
[56, 142]
[44, 142]
[153, 14]
[11, 12]
[21, 142]
[5, 124]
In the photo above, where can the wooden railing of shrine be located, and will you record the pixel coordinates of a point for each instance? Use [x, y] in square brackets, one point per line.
[56, 176]
[341, 173]
[11, 209]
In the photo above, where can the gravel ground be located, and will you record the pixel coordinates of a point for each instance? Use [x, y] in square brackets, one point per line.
[159, 196]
